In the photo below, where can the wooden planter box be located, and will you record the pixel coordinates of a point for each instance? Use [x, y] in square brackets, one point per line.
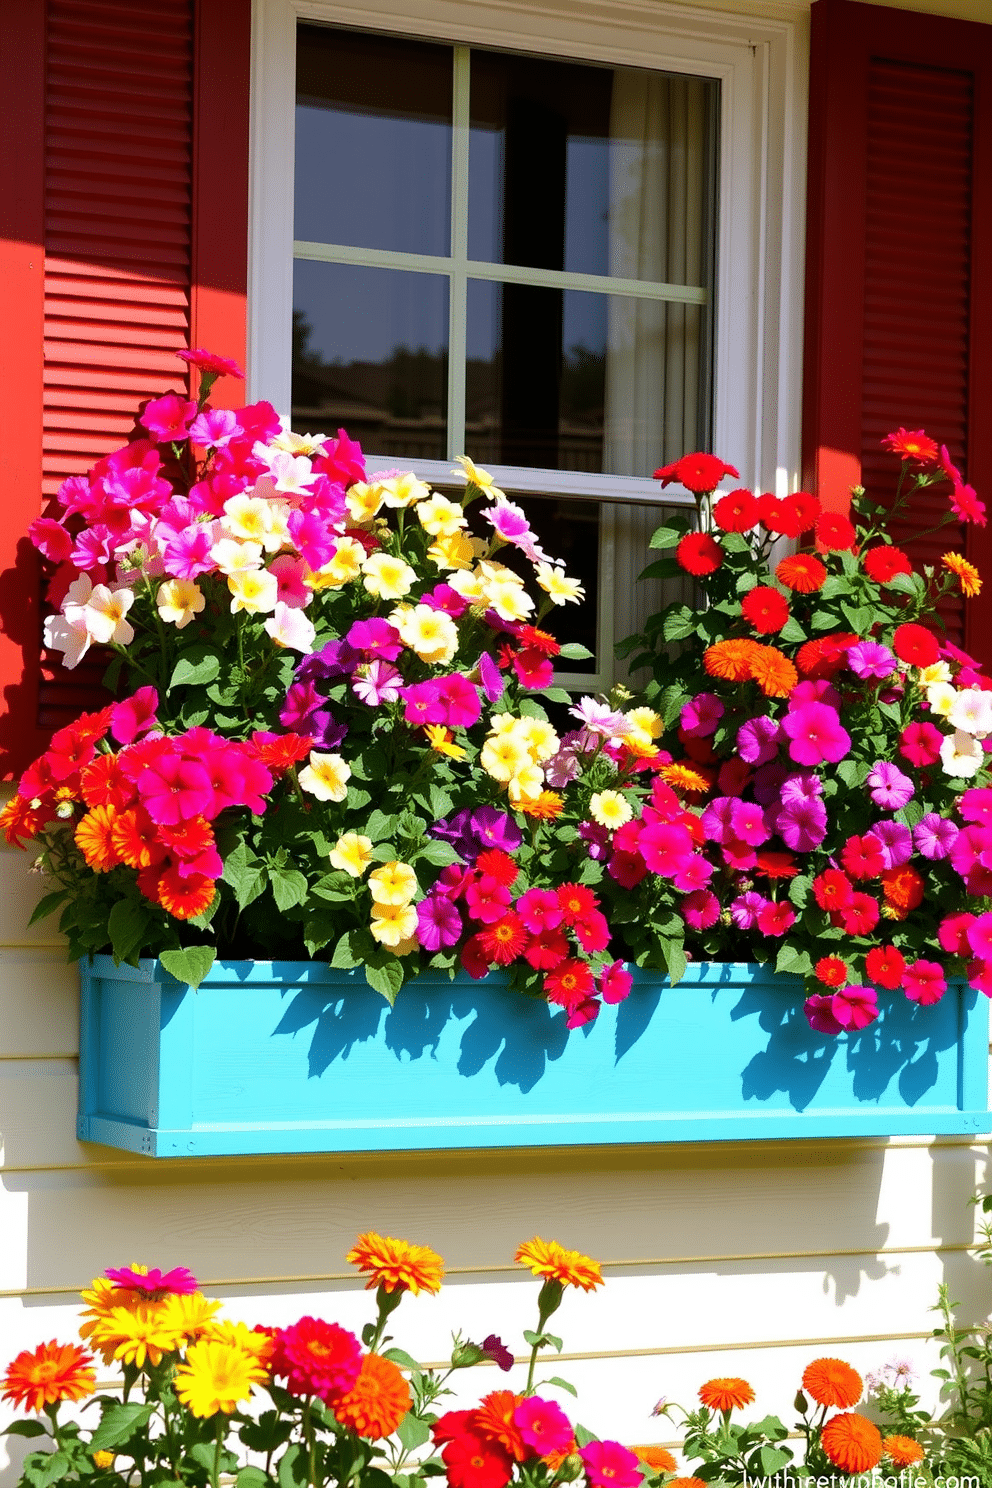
[297, 1057]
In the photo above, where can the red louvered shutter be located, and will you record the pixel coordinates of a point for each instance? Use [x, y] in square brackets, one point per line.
[899, 313]
[145, 175]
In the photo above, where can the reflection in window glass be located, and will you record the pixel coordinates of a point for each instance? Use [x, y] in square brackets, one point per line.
[577, 381]
[370, 354]
[373, 141]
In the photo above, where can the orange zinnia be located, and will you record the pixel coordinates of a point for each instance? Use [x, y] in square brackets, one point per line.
[552, 1261]
[547, 806]
[852, 1443]
[684, 778]
[396, 1265]
[54, 1372]
[656, 1457]
[730, 660]
[185, 898]
[103, 784]
[556, 1458]
[773, 672]
[903, 1450]
[832, 1382]
[494, 1419]
[686, 1483]
[134, 837]
[94, 838]
[19, 819]
[377, 1401]
[802, 572]
[903, 887]
[726, 1394]
[966, 573]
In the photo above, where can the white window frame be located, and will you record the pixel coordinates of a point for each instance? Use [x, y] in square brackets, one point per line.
[760, 58]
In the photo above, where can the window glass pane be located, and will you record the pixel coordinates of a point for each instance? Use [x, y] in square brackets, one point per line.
[370, 354]
[373, 141]
[591, 169]
[577, 381]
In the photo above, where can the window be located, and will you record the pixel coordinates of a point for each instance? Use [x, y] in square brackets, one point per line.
[568, 259]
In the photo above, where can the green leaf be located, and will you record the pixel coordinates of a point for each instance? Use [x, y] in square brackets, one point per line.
[773, 1458]
[575, 651]
[293, 1466]
[662, 568]
[126, 926]
[793, 961]
[357, 799]
[265, 1434]
[562, 1385]
[676, 962]
[583, 1436]
[51, 1469]
[386, 980]
[556, 694]
[438, 853]
[24, 1428]
[245, 874]
[413, 1432]
[379, 826]
[289, 887]
[402, 1358]
[195, 668]
[665, 537]
[680, 622]
[47, 906]
[792, 631]
[344, 958]
[189, 965]
[253, 1477]
[120, 1423]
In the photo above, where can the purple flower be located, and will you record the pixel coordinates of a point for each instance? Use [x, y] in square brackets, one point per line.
[869, 660]
[302, 702]
[564, 767]
[508, 520]
[896, 842]
[701, 715]
[377, 683]
[596, 838]
[326, 731]
[768, 782]
[492, 828]
[802, 823]
[438, 922]
[820, 1013]
[934, 836]
[491, 678]
[889, 787]
[336, 659]
[802, 786]
[375, 638]
[757, 740]
[495, 1349]
[744, 910]
[816, 734]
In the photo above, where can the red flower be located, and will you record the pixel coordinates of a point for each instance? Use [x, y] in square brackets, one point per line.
[912, 444]
[862, 857]
[832, 890]
[776, 865]
[802, 572]
[472, 1462]
[834, 532]
[474, 959]
[791, 516]
[570, 983]
[820, 659]
[699, 553]
[885, 563]
[576, 902]
[209, 361]
[885, 965]
[861, 915]
[538, 640]
[319, 1358]
[499, 865]
[765, 608]
[831, 971]
[915, 645]
[775, 919]
[802, 508]
[699, 472]
[966, 505]
[737, 512]
[549, 948]
[504, 941]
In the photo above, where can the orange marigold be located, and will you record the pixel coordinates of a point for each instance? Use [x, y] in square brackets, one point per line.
[20, 820]
[730, 660]
[134, 837]
[684, 778]
[552, 1261]
[852, 1443]
[773, 672]
[185, 898]
[832, 1382]
[494, 1419]
[657, 1457]
[377, 1401]
[555, 1459]
[726, 1394]
[396, 1265]
[903, 1450]
[802, 572]
[966, 573]
[94, 838]
[103, 783]
[547, 806]
[53, 1372]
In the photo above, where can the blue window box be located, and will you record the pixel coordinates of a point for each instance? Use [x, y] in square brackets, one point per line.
[298, 1057]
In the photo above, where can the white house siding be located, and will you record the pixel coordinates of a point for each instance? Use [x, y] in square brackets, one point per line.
[746, 1258]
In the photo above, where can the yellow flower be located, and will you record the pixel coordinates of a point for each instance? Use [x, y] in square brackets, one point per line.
[526, 784]
[440, 740]
[216, 1376]
[363, 501]
[101, 1299]
[931, 675]
[440, 517]
[134, 1336]
[504, 756]
[402, 490]
[552, 1261]
[510, 600]
[387, 577]
[941, 698]
[474, 474]
[648, 721]
[103, 1459]
[965, 572]
[540, 738]
[393, 925]
[239, 1335]
[393, 883]
[190, 1315]
[253, 590]
[455, 550]
[326, 777]
[178, 601]
[249, 519]
[432, 634]
[396, 1265]
[610, 809]
[559, 589]
[344, 567]
[352, 853]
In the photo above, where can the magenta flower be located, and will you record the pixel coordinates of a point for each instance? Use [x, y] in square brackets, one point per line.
[135, 715]
[970, 848]
[377, 683]
[744, 910]
[302, 702]
[376, 639]
[615, 982]
[816, 734]
[492, 681]
[539, 910]
[819, 1010]
[495, 1349]
[718, 819]
[215, 427]
[694, 874]
[174, 789]
[289, 573]
[443, 597]
[187, 553]
[976, 806]
[739, 856]
[802, 824]
[888, 786]
[543, 1425]
[953, 934]
[920, 744]
[775, 919]
[814, 692]
[701, 714]
[747, 822]
[855, 1007]
[596, 839]
[487, 900]
[314, 543]
[934, 836]
[51, 539]
[757, 740]
[509, 521]
[980, 976]
[896, 842]
[460, 701]
[924, 982]
[168, 419]
[422, 703]
[609, 1465]
[701, 909]
[438, 922]
[586, 1010]
[871, 661]
[180, 1281]
[979, 934]
[665, 848]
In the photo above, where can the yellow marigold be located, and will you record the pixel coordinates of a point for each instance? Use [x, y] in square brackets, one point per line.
[903, 1450]
[852, 1443]
[552, 1261]
[192, 1315]
[966, 573]
[216, 1376]
[396, 1265]
[726, 1394]
[238, 1335]
[773, 672]
[103, 1459]
[101, 1299]
[377, 1401]
[94, 839]
[548, 805]
[683, 777]
[730, 660]
[832, 1382]
[134, 1337]
[658, 1458]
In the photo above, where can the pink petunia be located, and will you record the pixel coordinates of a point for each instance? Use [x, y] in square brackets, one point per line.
[168, 419]
[920, 744]
[895, 842]
[888, 786]
[174, 789]
[758, 739]
[615, 982]
[976, 806]
[819, 1010]
[744, 910]
[934, 836]
[924, 982]
[135, 715]
[696, 873]
[854, 1007]
[980, 976]
[979, 934]
[816, 734]
[774, 919]
[665, 847]
[701, 715]
[543, 1425]
[701, 909]
[610, 1465]
[953, 934]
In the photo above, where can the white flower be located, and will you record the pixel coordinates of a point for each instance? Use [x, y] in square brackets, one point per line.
[941, 698]
[289, 627]
[557, 586]
[961, 756]
[104, 613]
[326, 777]
[233, 557]
[68, 636]
[291, 473]
[297, 444]
[250, 519]
[972, 712]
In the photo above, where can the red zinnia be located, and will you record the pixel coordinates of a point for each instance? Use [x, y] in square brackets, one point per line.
[831, 971]
[885, 965]
[832, 889]
[472, 1462]
[885, 563]
[699, 553]
[765, 608]
[569, 983]
[737, 512]
[539, 640]
[504, 941]
[576, 903]
[698, 472]
[776, 865]
[834, 532]
[915, 645]
[499, 865]
[912, 444]
[802, 572]
[803, 509]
